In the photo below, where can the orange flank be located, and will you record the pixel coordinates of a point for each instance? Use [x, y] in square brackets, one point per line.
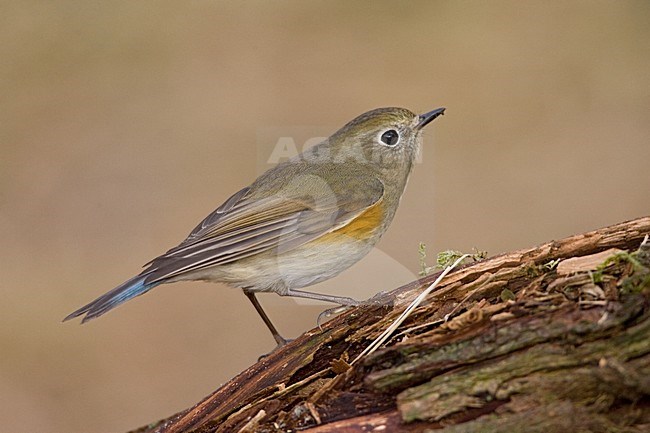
[360, 228]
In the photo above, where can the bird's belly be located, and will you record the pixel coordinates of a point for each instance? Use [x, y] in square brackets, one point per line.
[300, 267]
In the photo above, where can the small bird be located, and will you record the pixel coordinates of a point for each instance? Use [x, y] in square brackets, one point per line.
[301, 222]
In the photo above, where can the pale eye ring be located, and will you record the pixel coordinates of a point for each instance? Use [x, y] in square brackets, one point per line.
[390, 137]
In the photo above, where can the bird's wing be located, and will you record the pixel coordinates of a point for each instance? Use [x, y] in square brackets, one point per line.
[246, 225]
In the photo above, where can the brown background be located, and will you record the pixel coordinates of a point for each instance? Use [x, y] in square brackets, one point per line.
[122, 124]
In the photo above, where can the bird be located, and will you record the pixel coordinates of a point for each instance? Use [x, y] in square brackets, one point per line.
[301, 222]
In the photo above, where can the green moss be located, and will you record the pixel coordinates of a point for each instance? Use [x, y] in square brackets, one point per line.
[507, 295]
[639, 272]
[551, 264]
[445, 258]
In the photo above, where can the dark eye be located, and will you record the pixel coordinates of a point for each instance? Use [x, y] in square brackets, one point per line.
[390, 137]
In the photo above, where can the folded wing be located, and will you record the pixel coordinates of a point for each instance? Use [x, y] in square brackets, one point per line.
[253, 222]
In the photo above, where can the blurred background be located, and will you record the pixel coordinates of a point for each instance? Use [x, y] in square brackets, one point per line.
[123, 124]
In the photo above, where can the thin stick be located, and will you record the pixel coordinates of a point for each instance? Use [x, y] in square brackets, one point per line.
[402, 317]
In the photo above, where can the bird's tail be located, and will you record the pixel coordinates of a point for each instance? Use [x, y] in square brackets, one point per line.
[130, 289]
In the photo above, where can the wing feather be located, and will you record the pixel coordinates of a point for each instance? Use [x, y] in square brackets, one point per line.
[245, 225]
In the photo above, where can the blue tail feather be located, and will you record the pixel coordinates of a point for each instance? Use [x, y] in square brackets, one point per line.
[129, 289]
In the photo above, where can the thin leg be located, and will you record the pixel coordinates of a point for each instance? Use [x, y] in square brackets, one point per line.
[325, 315]
[341, 300]
[276, 335]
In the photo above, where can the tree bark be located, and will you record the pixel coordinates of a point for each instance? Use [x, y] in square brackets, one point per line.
[549, 339]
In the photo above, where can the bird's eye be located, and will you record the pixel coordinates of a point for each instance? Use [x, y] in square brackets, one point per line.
[390, 137]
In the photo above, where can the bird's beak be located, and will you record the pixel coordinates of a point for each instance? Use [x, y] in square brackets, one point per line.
[426, 118]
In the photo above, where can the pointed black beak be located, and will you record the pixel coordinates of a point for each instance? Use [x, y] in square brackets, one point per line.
[426, 118]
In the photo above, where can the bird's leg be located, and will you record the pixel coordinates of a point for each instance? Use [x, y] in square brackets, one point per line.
[325, 315]
[344, 302]
[341, 300]
[276, 335]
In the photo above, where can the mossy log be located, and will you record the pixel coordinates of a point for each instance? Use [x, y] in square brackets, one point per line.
[550, 339]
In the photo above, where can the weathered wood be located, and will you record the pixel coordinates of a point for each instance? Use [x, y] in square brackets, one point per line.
[505, 344]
